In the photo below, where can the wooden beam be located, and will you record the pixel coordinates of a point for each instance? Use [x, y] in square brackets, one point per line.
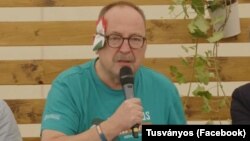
[29, 111]
[194, 105]
[33, 72]
[50, 3]
[52, 33]
[46, 33]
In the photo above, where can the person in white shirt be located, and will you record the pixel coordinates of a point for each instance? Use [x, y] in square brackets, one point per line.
[8, 127]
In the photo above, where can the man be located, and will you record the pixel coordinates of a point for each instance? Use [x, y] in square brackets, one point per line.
[87, 103]
[8, 126]
[240, 105]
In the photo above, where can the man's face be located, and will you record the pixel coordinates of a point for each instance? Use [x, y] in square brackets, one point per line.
[123, 21]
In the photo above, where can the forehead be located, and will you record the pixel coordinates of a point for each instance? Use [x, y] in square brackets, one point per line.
[126, 8]
[124, 18]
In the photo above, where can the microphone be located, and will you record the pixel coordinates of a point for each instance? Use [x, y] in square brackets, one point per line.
[127, 82]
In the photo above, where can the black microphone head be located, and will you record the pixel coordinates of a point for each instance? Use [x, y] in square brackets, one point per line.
[126, 75]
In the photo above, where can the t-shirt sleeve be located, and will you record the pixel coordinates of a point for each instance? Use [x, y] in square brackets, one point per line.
[60, 113]
[177, 114]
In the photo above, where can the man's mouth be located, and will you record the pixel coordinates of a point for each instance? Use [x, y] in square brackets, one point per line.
[124, 61]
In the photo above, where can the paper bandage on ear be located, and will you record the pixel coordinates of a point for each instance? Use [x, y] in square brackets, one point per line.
[99, 39]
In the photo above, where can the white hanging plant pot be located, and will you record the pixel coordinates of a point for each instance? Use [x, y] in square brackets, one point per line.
[229, 15]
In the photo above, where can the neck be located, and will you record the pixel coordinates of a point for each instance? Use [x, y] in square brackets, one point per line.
[110, 79]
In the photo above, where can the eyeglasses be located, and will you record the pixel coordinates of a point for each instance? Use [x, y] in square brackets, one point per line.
[116, 41]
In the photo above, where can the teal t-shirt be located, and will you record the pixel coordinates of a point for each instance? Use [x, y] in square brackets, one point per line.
[78, 99]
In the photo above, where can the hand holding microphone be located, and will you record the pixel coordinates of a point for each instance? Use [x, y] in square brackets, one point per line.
[127, 82]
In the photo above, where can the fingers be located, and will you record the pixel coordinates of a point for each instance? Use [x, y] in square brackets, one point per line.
[128, 114]
[134, 103]
[135, 110]
[134, 100]
[138, 117]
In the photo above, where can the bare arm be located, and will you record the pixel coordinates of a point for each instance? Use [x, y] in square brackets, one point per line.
[127, 115]
[108, 129]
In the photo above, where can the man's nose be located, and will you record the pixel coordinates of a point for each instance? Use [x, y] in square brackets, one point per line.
[125, 48]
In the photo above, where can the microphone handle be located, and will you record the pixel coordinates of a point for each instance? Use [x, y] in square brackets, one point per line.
[135, 130]
[129, 93]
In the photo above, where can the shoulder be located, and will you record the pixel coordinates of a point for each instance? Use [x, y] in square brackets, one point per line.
[8, 125]
[242, 92]
[245, 88]
[4, 108]
[153, 75]
[75, 72]
[5, 111]
[154, 79]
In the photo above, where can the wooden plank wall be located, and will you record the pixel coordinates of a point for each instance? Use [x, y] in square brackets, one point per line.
[34, 49]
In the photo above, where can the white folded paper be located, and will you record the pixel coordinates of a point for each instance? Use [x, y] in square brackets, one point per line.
[100, 34]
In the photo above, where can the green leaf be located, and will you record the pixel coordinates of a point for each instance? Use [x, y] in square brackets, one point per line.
[209, 53]
[215, 4]
[203, 78]
[216, 37]
[202, 92]
[171, 9]
[202, 24]
[202, 75]
[207, 95]
[196, 32]
[184, 61]
[197, 90]
[184, 48]
[217, 19]
[179, 76]
[191, 27]
[173, 69]
[198, 6]
[198, 27]
[211, 74]
[200, 61]
[222, 103]
[192, 47]
[206, 107]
